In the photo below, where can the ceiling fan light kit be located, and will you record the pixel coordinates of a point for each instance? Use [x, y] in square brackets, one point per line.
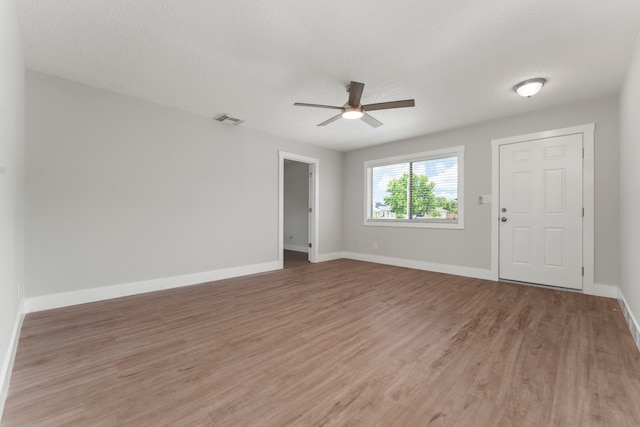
[351, 113]
[353, 110]
[530, 87]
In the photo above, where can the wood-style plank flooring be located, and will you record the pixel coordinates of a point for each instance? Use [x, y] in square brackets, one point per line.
[339, 343]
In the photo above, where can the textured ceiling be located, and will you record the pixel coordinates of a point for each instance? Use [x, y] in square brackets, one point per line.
[253, 59]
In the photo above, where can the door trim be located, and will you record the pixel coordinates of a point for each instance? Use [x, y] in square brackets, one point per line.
[588, 175]
[314, 168]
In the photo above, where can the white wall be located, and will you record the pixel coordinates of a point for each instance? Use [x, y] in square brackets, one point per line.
[11, 187]
[296, 206]
[471, 247]
[120, 190]
[630, 186]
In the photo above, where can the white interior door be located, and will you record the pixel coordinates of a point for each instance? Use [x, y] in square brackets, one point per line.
[541, 212]
[311, 216]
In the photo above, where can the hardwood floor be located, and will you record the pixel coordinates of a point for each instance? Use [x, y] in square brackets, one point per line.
[331, 344]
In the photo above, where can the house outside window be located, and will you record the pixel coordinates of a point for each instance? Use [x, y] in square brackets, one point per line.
[417, 190]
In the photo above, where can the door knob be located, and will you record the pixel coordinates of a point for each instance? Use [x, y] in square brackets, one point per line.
[503, 219]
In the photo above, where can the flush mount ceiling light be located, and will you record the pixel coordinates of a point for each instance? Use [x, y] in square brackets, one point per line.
[530, 87]
[352, 113]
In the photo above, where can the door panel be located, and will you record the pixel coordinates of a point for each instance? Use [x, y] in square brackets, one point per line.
[521, 194]
[541, 211]
[554, 187]
[554, 247]
[522, 245]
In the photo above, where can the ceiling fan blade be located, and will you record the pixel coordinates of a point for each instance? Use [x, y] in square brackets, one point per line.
[388, 105]
[331, 120]
[302, 104]
[372, 121]
[355, 93]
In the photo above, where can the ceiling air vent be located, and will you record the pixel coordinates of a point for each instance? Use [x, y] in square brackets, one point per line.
[224, 118]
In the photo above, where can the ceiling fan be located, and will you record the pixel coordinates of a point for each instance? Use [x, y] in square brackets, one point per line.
[354, 110]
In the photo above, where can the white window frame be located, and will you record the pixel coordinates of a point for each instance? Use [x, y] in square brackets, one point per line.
[415, 157]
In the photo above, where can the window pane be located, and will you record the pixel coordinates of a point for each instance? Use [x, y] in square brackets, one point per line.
[389, 191]
[435, 188]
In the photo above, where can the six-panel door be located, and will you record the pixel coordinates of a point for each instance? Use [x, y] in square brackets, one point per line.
[541, 211]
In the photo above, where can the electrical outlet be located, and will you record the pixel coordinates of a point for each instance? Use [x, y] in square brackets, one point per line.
[375, 246]
[18, 290]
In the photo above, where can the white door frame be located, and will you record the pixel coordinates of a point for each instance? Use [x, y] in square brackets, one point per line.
[587, 132]
[314, 168]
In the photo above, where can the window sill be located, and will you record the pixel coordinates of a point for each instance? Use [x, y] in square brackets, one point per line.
[458, 225]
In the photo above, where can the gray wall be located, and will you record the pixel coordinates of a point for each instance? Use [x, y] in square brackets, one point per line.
[121, 190]
[296, 205]
[471, 247]
[11, 183]
[629, 186]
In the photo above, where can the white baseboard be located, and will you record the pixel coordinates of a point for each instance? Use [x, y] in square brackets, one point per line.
[47, 302]
[10, 356]
[607, 291]
[633, 324]
[458, 270]
[296, 248]
[330, 256]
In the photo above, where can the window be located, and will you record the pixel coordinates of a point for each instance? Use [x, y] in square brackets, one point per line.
[418, 190]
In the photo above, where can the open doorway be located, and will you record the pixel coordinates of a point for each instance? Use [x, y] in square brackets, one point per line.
[296, 213]
[298, 210]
